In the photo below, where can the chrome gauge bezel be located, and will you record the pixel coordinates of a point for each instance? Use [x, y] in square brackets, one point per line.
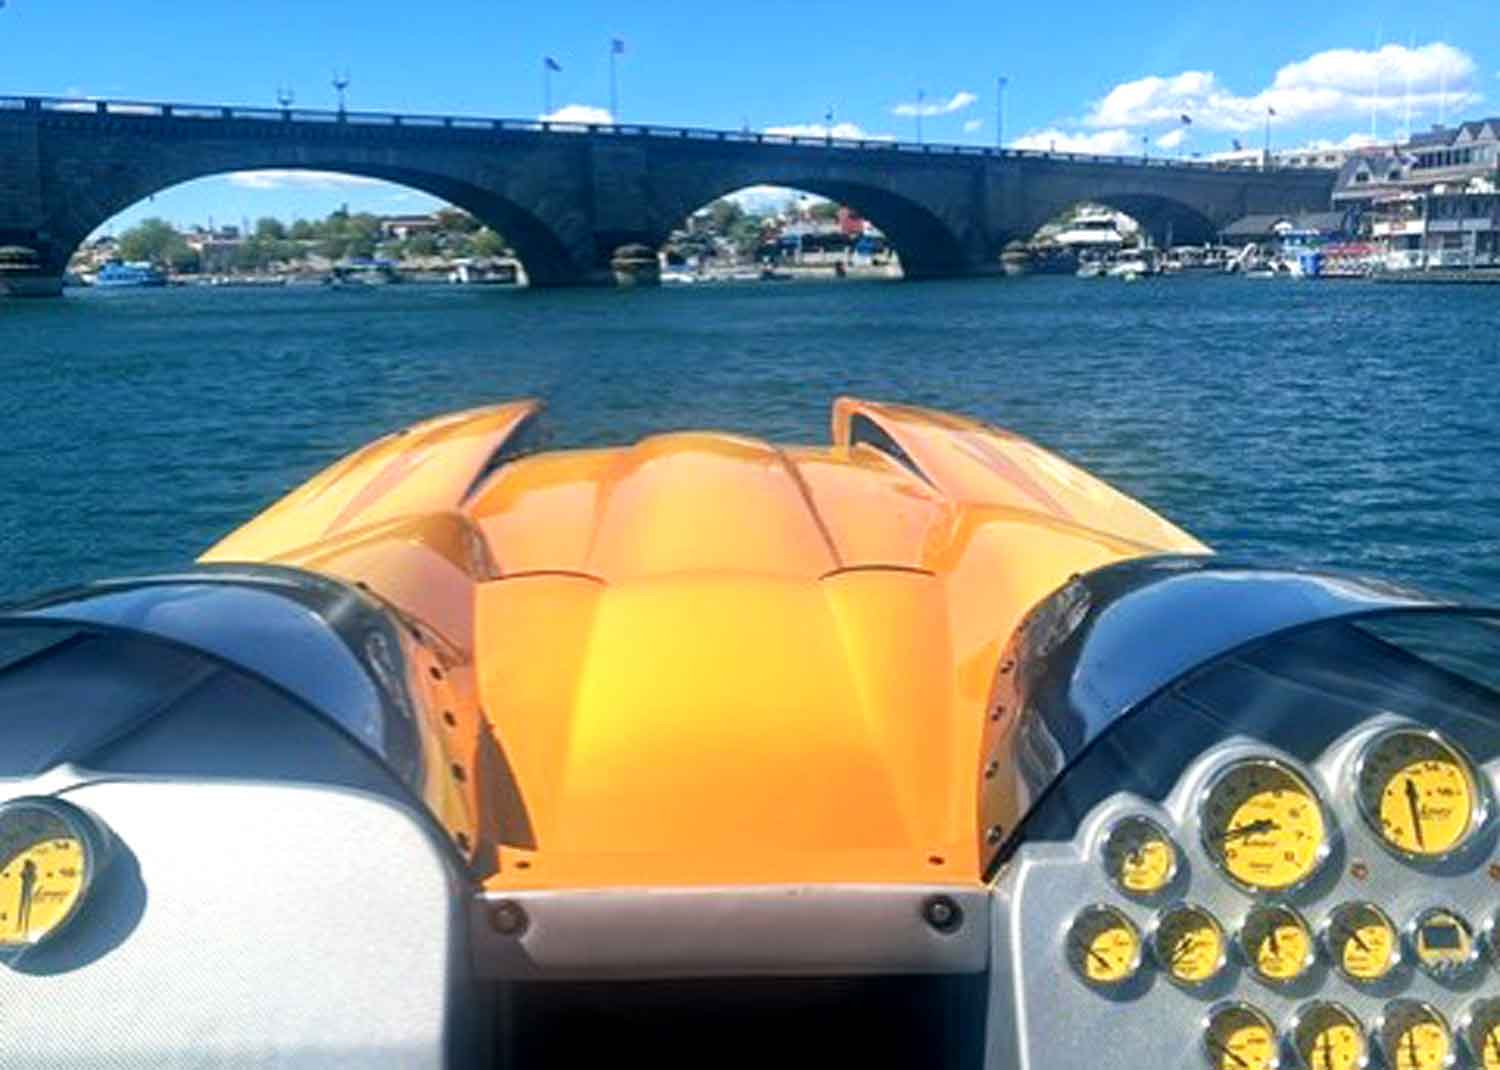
[1423, 1007]
[1487, 1007]
[1242, 937]
[91, 839]
[1205, 1027]
[1330, 828]
[1115, 912]
[1118, 825]
[1289, 1035]
[1479, 810]
[1164, 960]
[1326, 937]
[1450, 971]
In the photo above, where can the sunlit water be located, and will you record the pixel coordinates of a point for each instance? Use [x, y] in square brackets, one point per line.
[1346, 424]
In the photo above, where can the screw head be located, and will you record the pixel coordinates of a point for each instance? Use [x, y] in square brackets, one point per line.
[1359, 871]
[508, 918]
[942, 913]
[994, 834]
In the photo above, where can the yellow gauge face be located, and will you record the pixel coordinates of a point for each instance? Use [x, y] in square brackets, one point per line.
[1139, 856]
[1263, 825]
[1482, 1034]
[1189, 944]
[1329, 1037]
[1277, 943]
[1362, 942]
[1104, 946]
[1239, 1037]
[1419, 792]
[1443, 942]
[43, 872]
[1415, 1037]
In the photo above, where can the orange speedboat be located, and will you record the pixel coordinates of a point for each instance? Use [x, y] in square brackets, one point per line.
[922, 748]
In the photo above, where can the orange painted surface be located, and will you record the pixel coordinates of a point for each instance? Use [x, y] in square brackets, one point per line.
[701, 658]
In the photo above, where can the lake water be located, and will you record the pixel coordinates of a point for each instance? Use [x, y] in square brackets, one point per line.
[1336, 423]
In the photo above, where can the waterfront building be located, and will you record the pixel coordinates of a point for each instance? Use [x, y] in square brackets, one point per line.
[1432, 202]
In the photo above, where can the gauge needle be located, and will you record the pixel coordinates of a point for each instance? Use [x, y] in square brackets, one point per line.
[28, 886]
[1275, 944]
[1265, 824]
[1494, 1040]
[1413, 803]
[1353, 934]
[1411, 1039]
[1222, 1050]
[1091, 953]
[1325, 1049]
[1183, 947]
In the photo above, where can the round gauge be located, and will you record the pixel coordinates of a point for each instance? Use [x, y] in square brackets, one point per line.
[1188, 942]
[1277, 943]
[1263, 825]
[47, 861]
[1362, 942]
[1414, 1036]
[1419, 793]
[1139, 856]
[1327, 1036]
[1443, 943]
[1481, 1032]
[1236, 1036]
[1104, 946]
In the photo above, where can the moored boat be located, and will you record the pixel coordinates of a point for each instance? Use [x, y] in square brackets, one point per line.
[134, 274]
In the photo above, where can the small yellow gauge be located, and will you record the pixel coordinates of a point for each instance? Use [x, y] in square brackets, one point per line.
[1480, 1027]
[1236, 1036]
[1104, 946]
[1188, 942]
[1443, 943]
[1263, 825]
[1327, 1036]
[1277, 943]
[46, 865]
[1415, 1036]
[1362, 942]
[1419, 792]
[1139, 856]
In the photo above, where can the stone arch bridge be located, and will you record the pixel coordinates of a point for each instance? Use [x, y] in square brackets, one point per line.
[566, 196]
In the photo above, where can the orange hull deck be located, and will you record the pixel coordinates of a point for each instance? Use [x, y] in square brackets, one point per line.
[702, 659]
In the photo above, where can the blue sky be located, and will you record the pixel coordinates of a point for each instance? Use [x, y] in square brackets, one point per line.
[1086, 76]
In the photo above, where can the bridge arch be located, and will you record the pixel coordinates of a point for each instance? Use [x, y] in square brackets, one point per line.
[927, 245]
[1167, 220]
[542, 251]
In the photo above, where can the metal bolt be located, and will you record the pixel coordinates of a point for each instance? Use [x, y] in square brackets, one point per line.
[449, 719]
[1494, 872]
[508, 919]
[942, 913]
[994, 834]
[1359, 871]
[458, 772]
[990, 770]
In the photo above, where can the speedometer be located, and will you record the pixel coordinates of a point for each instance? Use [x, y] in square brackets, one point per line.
[48, 854]
[1263, 825]
[1419, 793]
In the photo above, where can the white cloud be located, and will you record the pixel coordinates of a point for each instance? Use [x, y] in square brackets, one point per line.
[971, 125]
[321, 180]
[847, 131]
[578, 113]
[760, 200]
[1172, 139]
[1340, 83]
[957, 102]
[1098, 142]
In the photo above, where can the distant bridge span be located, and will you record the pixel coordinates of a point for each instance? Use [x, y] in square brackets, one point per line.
[566, 195]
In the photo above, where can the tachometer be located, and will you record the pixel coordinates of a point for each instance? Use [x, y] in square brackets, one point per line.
[1139, 856]
[1237, 1036]
[1327, 1036]
[1419, 793]
[47, 860]
[1276, 943]
[1188, 942]
[1263, 825]
[1362, 942]
[1414, 1036]
[1104, 946]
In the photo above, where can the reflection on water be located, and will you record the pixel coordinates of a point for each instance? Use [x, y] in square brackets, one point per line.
[1322, 423]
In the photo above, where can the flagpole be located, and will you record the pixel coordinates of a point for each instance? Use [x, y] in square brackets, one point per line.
[614, 86]
[546, 88]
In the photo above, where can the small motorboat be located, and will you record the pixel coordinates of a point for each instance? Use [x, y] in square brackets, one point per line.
[921, 747]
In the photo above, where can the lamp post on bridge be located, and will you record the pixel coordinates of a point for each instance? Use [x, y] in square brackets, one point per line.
[284, 96]
[340, 84]
[1000, 84]
[921, 104]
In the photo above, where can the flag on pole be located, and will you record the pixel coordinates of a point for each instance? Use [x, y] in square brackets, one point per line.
[1186, 121]
[1270, 110]
[616, 46]
[552, 64]
[1237, 146]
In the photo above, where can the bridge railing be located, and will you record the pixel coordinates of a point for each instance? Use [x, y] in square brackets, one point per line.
[313, 117]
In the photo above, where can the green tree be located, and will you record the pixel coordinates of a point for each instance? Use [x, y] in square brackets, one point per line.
[304, 230]
[269, 228]
[486, 242]
[454, 221]
[723, 215]
[824, 212]
[153, 239]
[745, 235]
